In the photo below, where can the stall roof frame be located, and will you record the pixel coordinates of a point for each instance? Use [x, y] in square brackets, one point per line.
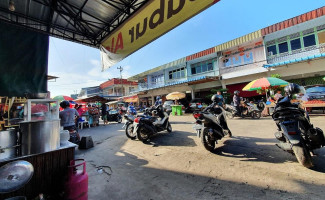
[86, 22]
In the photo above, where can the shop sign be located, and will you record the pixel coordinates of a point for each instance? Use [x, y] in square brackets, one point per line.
[149, 23]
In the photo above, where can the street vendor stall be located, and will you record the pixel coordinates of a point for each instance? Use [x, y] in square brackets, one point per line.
[314, 104]
[29, 123]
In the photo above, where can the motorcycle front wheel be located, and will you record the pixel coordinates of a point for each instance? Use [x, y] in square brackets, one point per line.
[119, 120]
[303, 155]
[208, 143]
[169, 128]
[256, 115]
[129, 131]
[142, 134]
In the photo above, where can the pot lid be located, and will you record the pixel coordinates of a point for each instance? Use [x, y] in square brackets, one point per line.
[15, 175]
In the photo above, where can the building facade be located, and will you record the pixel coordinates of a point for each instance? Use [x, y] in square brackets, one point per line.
[294, 49]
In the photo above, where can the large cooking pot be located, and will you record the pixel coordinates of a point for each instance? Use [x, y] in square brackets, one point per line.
[8, 144]
[39, 136]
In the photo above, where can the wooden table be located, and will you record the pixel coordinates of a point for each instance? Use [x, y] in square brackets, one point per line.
[315, 105]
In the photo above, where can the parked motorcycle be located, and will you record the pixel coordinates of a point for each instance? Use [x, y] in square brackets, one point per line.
[145, 126]
[211, 124]
[248, 110]
[296, 134]
[129, 119]
[114, 116]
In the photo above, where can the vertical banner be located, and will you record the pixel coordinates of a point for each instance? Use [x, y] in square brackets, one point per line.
[150, 22]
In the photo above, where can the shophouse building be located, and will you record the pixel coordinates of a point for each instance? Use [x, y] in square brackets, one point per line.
[89, 92]
[294, 49]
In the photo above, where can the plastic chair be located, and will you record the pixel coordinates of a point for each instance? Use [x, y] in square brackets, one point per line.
[82, 121]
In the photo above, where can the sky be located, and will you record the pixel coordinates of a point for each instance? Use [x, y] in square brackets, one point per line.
[79, 66]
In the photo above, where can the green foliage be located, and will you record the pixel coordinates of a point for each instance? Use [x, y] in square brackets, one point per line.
[275, 75]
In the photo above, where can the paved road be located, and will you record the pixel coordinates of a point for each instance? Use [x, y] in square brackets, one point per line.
[176, 166]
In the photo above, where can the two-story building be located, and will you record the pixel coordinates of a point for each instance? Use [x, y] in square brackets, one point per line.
[118, 87]
[294, 49]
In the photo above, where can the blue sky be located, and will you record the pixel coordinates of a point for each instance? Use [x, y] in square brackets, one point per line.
[79, 66]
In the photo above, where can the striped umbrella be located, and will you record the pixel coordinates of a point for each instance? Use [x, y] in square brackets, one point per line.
[265, 83]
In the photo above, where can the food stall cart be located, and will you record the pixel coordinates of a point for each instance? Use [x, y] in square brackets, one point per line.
[36, 139]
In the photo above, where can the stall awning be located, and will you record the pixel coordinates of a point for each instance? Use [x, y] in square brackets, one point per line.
[112, 102]
[92, 99]
[131, 99]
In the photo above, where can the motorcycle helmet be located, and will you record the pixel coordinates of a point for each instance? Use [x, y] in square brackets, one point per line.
[236, 92]
[64, 104]
[131, 104]
[216, 98]
[293, 88]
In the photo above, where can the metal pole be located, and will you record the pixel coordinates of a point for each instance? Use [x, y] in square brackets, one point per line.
[121, 82]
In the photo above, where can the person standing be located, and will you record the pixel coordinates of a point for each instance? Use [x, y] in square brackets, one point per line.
[219, 95]
[236, 101]
[93, 112]
[278, 95]
[104, 113]
[67, 116]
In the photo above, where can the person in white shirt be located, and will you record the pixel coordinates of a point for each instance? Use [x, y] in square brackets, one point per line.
[278, 95]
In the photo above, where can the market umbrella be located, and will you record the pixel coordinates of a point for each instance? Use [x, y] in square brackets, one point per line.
[175, 96]
[39, 108]
[62, 97]
[265, 83]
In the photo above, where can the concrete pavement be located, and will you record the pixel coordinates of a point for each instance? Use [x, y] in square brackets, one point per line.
[176, 166]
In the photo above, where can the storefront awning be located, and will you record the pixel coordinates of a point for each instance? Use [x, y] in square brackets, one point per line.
[322, 55]
[131, 99]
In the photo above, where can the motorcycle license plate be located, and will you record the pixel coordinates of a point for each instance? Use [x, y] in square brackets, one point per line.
[197, 127]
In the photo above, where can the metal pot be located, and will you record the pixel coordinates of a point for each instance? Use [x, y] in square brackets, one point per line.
[8, 144]
[39, 136]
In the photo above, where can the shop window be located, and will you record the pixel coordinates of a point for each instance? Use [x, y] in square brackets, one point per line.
[177, 73]
[283, 47]
[271, 50]
[193, 70]
[204, 67]
[309, 40]
[295, 44]
[321, 37]
[198, 69]
[183, 73]
[210, 66]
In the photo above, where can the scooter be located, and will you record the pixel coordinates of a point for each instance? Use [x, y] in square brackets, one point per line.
[295, 133]
[129, 119]
[211, 125]
[145, 126]
[247, 110]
